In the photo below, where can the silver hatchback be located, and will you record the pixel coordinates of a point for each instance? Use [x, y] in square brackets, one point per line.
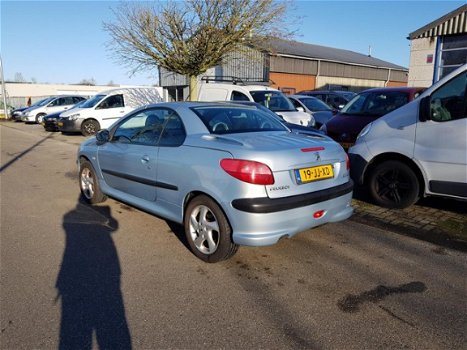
[231, 174]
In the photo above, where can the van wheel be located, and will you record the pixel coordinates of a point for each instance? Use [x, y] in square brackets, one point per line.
[39, 118]
[207, 230]
[90, 127]
[393, 184]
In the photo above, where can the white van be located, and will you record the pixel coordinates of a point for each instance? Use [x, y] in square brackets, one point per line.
[419, 149]
[269, 97]
[102, 110]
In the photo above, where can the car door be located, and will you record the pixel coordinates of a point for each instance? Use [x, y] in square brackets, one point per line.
[441, 141]
[129, 161]
[59, 104]
[171, 174]
[110, 109]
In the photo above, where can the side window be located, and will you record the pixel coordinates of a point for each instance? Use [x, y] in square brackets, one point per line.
[56, 102]
[295, 103]
[66, 101]
[77, 99]
[238, 96]
[113, 101]
[449, 102]
[143, 128]
[174, 133]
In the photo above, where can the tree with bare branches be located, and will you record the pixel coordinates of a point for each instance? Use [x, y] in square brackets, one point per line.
[192, 36]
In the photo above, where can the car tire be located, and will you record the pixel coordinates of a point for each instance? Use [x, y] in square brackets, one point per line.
[208, 231]
[90, 127]
[89, 184]
[39, 117]
[393, 184]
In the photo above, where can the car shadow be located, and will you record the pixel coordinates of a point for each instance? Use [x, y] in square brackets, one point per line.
[88, 283]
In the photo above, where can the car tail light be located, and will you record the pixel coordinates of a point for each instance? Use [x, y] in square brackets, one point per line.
[248, 171]
[347, 162]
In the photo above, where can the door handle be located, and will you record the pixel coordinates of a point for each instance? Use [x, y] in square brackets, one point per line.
[145, 159]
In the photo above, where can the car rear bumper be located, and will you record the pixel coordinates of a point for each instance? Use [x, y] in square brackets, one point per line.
[261, 229]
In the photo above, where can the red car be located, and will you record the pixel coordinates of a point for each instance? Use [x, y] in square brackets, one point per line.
[364, 108]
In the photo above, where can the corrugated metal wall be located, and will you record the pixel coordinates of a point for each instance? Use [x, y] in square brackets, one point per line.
[172, 79]
[282, 64]
[293, 65]
[249, 64]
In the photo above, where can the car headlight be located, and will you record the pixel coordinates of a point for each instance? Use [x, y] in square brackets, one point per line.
[312, 121]
[323, 129]
[364, 131]
[73, 116]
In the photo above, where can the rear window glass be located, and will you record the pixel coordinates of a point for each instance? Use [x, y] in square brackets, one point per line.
[229, 120]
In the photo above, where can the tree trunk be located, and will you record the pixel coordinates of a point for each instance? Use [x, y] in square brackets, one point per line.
[193, 88]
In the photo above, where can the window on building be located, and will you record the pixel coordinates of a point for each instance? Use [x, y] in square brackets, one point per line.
[452, 53]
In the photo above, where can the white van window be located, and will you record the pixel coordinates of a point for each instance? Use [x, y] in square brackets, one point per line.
[113, 101]
[449, 102]
[238, 96]
[92, 101]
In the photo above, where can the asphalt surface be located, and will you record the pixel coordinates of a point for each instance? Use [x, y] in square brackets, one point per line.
[111, 276]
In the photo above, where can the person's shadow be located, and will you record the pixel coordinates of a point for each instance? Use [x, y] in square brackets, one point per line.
[88, 283]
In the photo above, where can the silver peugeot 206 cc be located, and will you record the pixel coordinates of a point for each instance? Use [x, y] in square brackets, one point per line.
[230, 174]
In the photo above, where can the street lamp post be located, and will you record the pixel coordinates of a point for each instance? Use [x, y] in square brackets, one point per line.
[5, 109]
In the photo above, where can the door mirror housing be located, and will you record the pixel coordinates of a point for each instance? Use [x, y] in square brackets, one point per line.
[300, 109]
[103, 136]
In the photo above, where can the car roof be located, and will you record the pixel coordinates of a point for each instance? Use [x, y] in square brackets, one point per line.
[395, 88]
[191, 104]
[303, 96]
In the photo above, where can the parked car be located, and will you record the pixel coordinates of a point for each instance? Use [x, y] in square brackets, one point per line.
[55, 104]
[417, 150]
[317, 108]
[18, 113]
[100, 111]
[298, 129]
[231, 174]
[334, 99]
[50, 121]
[364, 108]
[269, 97]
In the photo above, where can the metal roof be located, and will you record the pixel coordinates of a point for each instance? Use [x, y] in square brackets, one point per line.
[298, 49]
[454, 22]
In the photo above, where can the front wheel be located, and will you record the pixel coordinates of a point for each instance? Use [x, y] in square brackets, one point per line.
[40, 117]
[393, 184]
[89, 185]
[207, 230]
[90, 127]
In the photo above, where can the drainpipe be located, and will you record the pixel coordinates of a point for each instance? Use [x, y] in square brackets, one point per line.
[319, 71]
[389, 76]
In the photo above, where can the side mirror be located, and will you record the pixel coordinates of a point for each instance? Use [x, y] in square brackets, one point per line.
[103, 136]
[300, 109]
[424, 109]
[340, 107]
